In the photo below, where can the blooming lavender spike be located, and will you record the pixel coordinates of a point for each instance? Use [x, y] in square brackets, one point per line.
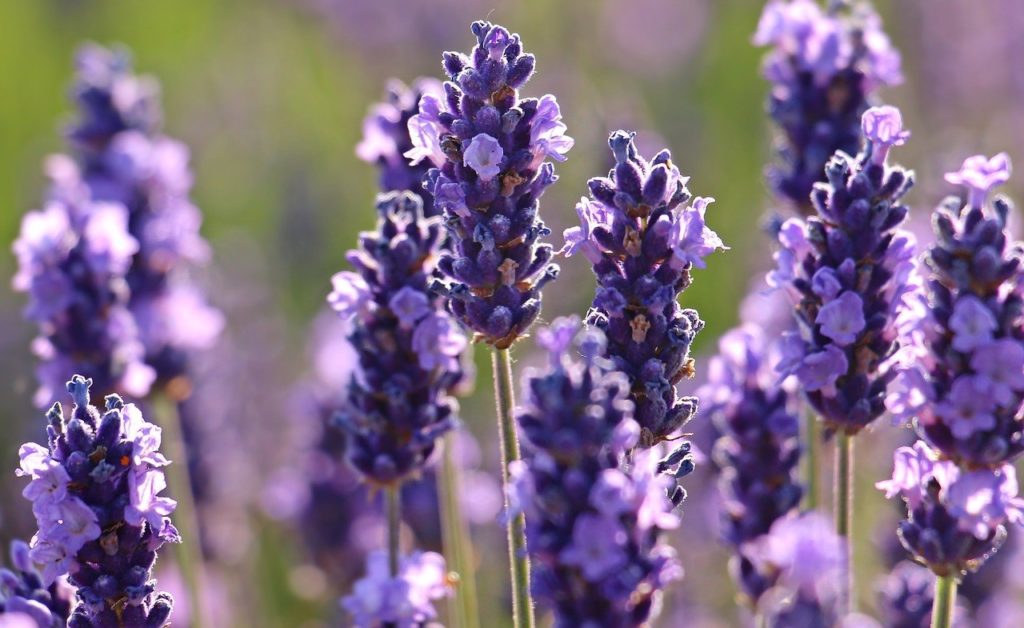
[386, 139]
[849, 270]
[956, 516]
[122, 157]
[807, 558]
[825, 68]
[491, 152]
[642, 238]
[758, 450]
[379, 599]
[963, 368]
[73, 256]
[408, 354]
[95, 493]
[593, 524]
[22, 592]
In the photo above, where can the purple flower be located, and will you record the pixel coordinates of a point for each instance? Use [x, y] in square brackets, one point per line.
[956, 516]
[849, 324]
[405, 600]
[593, 524]
[635, 219]
[408, 349]
[842, 319]
[883, 129]
[105, 525]
[24, 600]
[490, 148]
[483, 155]
[980, 174]
[961, 372]
[825, 68]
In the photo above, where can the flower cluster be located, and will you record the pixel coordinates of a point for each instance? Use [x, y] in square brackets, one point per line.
[404, 600]
[95, 493]
[490, 149]
[758, 450]
[642, 238]
[849, 270]
[825, 68]
[956, 516]
[806, 558]
[408, 347]
[963, 376]
[905, 597]
[122, 157]
[23, 593]
[73, 256]
[593, 524]
[386, 139]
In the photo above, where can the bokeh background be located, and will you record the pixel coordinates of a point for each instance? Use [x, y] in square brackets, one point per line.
[270, 96]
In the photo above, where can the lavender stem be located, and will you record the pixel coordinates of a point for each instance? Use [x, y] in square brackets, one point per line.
[522, 604]
[944, 602]
[394, 506]
[812, 471]
[188, 554]
[844, 512]
[457, 541]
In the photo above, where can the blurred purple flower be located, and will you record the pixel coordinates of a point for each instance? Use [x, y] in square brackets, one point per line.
[404, 600]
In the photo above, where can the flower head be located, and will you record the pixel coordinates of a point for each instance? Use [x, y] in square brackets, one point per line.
[404, 600]
[883, 128]
[980, 174]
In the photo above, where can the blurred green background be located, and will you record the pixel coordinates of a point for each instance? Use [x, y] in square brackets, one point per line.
[270, 96]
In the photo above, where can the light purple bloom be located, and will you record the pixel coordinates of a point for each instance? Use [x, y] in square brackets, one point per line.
[54, 557]
[825, 284]
[49, 482]
[690, 238]
[597, 547]
[438, 342]
[404, 601]
[146, 504]
[968, 407]
[980, 174]
[806, 550]
[350, 295]
[547, 133]
[913, 468]
[972, 323]
[558, 337]
[409, 305]
[883, 127]
[592, 215]
[819, 371]
[984, 499]
[484, 155]
[1002, 364]
[425, 131]
[842, 319]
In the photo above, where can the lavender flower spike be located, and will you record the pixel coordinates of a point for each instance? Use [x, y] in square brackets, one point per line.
[95, 493]
[849, 271]
[593, 525]
[122, 156]
[379, 599]
[491, 152]
[642, 238]
[825, 69]
[22, 592]
[408, 347]
[758, 450]
[386, 139]
[963, 368]
[957, 517]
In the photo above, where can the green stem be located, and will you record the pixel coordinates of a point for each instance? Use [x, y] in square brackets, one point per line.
[186, 517]
[812, 469]
[844, 510]
[394, 506]
[457, 541]
[944, 602]
[522, 605]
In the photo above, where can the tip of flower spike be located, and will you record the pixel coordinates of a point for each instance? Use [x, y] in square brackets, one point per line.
[79, 389]
[979, 174]
[883, 128]
[622, 146]
[557, 337]
[113, 402]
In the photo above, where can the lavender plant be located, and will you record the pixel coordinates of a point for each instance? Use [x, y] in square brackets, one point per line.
[643, 237]
[95, 493]
[491, 151]
[956, 517]
[593, 522]
[382, 598]
[963, 368]
[122, 156]
[386, 139]
[22, 593]
[757, 450]
[825, 68]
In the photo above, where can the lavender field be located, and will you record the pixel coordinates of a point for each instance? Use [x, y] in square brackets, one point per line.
[409, 313]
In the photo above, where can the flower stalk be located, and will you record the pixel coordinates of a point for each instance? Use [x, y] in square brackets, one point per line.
[944, 602]
[458, 545]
